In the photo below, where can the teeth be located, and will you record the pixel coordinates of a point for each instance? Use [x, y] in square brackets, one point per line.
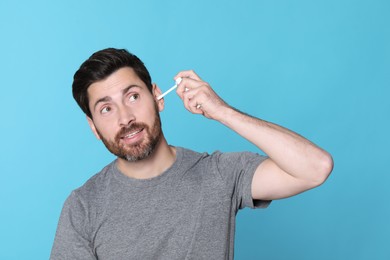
[132, 134]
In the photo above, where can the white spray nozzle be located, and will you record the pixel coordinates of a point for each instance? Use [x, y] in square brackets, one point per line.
[177, 82]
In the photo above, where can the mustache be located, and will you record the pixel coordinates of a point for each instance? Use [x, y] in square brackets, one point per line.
[129, 129]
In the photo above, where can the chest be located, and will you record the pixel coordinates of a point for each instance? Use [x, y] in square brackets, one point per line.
[168, 221]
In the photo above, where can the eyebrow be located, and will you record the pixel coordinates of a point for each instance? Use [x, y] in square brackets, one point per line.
[107, 98]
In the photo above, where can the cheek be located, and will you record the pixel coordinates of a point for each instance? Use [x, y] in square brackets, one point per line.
[150, 115]
[106, 130]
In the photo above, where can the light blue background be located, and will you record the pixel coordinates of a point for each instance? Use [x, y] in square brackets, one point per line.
[320, 68]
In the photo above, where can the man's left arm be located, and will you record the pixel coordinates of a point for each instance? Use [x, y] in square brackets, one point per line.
[294, 165]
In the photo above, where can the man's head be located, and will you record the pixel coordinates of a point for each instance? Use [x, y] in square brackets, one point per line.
[99, 66]
[114, 89]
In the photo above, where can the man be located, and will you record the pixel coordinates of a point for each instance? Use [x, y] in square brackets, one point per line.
[156, 201]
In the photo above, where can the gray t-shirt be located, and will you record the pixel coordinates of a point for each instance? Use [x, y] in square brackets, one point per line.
[187, 212]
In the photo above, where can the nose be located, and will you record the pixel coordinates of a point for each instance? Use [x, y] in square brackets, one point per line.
[126, 116]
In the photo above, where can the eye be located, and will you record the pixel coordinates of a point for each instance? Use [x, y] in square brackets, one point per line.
[133, 97]
[105, 110]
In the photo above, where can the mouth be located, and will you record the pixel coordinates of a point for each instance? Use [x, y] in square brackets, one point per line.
[132, 134]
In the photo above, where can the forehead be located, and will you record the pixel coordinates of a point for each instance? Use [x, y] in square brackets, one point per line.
[120, 79]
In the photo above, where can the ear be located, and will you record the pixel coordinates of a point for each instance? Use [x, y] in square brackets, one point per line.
[157, 92]
[93, 127]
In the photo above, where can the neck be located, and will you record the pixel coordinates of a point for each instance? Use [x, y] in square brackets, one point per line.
[160, 160]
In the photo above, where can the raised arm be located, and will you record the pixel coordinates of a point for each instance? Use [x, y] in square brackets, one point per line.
[294, 165]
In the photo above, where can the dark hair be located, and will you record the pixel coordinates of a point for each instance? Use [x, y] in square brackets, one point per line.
[101, 65]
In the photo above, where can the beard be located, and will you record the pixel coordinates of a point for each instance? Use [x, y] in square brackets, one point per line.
[140, 150]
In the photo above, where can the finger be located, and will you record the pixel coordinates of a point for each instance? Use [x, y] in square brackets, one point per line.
[181, 88]
[186, 85]
[188, 74]
[193, 100]
[194, 107]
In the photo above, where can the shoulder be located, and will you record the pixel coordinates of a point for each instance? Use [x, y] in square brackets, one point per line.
[188, 154]
[221, 158]
[221, 162]
[236, 159]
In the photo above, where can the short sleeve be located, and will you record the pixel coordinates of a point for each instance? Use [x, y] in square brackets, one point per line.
[237, 171]
[72, 240]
